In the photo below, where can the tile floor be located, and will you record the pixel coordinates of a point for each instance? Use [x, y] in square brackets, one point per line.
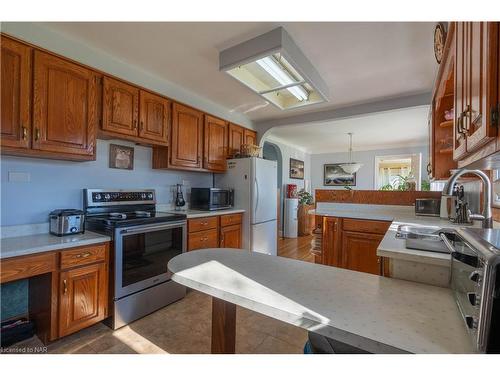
[183, 327]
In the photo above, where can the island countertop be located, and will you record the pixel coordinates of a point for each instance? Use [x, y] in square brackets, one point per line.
[377, 314]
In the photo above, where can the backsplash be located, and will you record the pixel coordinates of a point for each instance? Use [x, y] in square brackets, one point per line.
[58, 184]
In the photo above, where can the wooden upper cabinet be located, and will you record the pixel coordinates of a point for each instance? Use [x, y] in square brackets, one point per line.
[186, 144]
[64, 106]
[359, 251]
[215, 150]
[459, 136]
[154, 117]
[15, 109]
[476, 59]
[236, 139]
[483, 44]
[120, 107]
[250, 137]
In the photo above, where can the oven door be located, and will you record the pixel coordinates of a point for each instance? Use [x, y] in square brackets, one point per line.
[143, 252]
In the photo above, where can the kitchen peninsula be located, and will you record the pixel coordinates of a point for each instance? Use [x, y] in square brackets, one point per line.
[373, 313]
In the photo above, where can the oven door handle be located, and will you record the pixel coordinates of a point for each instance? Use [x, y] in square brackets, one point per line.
[447, 242]
[151, 228]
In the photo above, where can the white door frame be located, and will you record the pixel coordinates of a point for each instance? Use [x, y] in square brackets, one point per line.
[417, 173]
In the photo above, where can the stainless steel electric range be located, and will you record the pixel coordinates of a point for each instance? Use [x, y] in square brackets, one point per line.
[143, 241]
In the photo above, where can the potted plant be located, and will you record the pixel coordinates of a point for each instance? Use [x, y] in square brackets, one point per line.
[305, 219]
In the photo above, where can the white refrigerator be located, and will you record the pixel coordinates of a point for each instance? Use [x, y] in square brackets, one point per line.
[255, 184]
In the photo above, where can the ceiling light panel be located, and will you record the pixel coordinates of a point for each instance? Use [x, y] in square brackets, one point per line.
[272, 66]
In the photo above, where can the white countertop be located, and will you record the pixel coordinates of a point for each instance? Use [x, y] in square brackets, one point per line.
[193, 214]
[391, 246]
[377, 314]
[39, 243]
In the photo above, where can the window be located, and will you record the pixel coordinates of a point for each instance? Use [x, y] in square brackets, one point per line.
[398, 172]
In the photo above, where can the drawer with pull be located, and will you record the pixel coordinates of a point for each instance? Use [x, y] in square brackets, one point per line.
[203, 240]
[231, 219]
[83, 255]
[203, 223]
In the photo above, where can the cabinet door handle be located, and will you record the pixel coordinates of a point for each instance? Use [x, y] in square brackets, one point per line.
[429, 169]
[65, 286]
[37, 134]
[25, 133]
[83, 255]
[142, 125]
[135, 124]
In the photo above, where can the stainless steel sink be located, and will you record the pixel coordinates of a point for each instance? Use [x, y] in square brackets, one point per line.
[422, 238]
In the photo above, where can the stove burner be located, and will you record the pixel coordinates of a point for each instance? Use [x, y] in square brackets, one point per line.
[142, 213]
[117, 215]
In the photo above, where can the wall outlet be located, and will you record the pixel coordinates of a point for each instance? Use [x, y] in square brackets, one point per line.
[19, 177]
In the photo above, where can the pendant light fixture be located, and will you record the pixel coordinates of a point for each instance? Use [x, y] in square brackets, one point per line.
[350, 167]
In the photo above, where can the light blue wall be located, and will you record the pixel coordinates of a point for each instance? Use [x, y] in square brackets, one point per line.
[58, 184]
[365, 178]
[99, 59]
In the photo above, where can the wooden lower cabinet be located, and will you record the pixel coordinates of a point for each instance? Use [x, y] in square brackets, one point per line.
[68, 289]
[351, 243]
[215, 231]
[83, 297]
[230, 236]
[205, 239]
[359, 251]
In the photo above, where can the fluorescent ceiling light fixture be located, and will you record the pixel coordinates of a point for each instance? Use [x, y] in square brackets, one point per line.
[274, 67]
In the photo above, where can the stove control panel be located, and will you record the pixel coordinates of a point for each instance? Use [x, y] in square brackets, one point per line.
[98, 197]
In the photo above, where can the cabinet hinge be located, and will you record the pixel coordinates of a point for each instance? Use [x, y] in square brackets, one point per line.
[495, 114]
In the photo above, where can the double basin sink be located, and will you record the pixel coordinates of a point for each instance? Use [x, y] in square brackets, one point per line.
[425, 238]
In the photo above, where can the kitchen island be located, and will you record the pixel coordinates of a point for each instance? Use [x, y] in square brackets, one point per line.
[376, 314]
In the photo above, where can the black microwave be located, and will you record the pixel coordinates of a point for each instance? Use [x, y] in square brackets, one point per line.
[210, 199]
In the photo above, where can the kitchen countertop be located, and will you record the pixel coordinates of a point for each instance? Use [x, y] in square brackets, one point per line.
[42, 242]
[193, 214]
[391, 246]
[377, 314]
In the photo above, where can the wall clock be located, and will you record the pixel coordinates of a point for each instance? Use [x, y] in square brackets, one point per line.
[439, 40]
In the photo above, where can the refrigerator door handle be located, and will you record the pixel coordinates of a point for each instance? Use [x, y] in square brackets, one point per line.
[257, 195]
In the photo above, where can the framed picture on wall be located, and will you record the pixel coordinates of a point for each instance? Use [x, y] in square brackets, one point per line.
[296, 169]
[121, 157]
[334, 175]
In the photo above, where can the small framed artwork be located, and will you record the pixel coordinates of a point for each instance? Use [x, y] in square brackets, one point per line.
[121, 157]
[334, 175]
[296, 169]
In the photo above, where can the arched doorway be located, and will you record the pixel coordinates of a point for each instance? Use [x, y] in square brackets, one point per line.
[271, 151]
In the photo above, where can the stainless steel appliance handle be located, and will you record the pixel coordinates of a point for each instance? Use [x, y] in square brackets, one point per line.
[150, 228]
[447, 242]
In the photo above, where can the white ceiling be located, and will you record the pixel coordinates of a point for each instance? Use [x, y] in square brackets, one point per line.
[360, 62]
[392, 129]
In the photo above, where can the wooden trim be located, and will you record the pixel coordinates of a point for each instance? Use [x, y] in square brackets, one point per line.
[223, 327]
[400, 198]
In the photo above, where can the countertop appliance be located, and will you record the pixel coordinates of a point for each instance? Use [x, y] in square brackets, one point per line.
[255, 182]
[291, 223]
[427, 206]
[210, 199]
[66, 221]
[179, 198]
[144, 241]
[475, 280]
